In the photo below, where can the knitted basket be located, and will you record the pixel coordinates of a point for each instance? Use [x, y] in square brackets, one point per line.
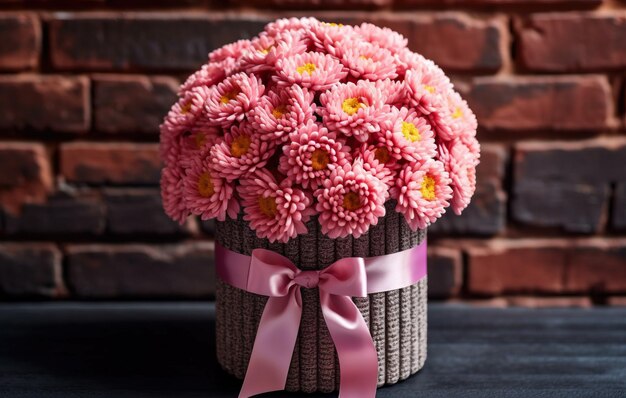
[396, 319]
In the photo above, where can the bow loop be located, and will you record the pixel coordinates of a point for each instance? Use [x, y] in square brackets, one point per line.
[271, 274]
[345, 277]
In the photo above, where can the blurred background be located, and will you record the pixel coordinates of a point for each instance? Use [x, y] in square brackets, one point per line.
[84, 85]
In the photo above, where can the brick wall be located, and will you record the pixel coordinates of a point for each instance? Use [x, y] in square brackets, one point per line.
[83, 89]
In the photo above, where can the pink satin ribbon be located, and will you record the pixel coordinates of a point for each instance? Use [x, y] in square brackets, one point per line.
[270, 274]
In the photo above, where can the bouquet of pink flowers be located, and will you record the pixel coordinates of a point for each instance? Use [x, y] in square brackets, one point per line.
[311, 118]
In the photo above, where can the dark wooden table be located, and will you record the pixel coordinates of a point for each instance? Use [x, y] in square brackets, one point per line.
[123, 350]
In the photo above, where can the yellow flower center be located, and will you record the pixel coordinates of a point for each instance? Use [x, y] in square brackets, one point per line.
[200, 140]
[308, 68]
[266, 50]
[205, 185]
[457, 113]
[351, 201]
[240, 146]
[382, 154]
[410, 132]
[279, 111]
[333, 24]
[428, 188]
[267, 206]
[364, 57]
[229, 96]
[185, 108]
[319, 159]
[430, 89]
[351, 105]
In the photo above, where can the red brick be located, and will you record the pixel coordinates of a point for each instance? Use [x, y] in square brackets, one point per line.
[21, 42]
[61, 215]
[138, 212]
[598, 268]
[599, 160]
[455, 41]
[161, 3]
[549, 302]
[539, 4]
[30, 270]
[31, 102]
[618, 217]
[132, 103]
[566, 184]
[494, 302]
[110, 163]
[553, 266]
[493, 159]
[147, 41]
[536, 103]
[26, 175]
[572, 42]
[618, 301]
[445, 272]
[515, 267]
[315, 4]
[486, 214]
[142, 271]
[574, 207]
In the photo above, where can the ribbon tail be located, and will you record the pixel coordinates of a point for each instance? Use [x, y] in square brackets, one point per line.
[274, 345]
[358, 361]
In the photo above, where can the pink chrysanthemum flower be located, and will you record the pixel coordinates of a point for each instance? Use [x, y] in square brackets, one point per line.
[172, 193]
[255, 59]
[198, 141]
[289, 24]
[181, 117]
[276, 212]
[374, 164]
[382, 37]
[349, 201]
[406, 60]
[266, 50]
[423, 192]
[454, 120]
[473, 146]
[380, 153]
[169, 138]
[461, 166]
[281, 112]
[427, 86]
[368, 61]
[395, 92]
[232, 50]
[407, 135]
[353, 109]
[207, 194]
[232, 98]
[189, 108]
[328, 37]
[312, 70]
[210, 74]
[312, 155]
[241, 152]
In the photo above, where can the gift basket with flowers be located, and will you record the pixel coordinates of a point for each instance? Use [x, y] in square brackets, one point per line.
[324, 152]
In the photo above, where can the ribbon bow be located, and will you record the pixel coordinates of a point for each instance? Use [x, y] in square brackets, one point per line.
[275, 276]
[270, 274]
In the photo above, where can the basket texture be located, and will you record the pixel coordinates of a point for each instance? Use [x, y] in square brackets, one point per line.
[396, 319]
